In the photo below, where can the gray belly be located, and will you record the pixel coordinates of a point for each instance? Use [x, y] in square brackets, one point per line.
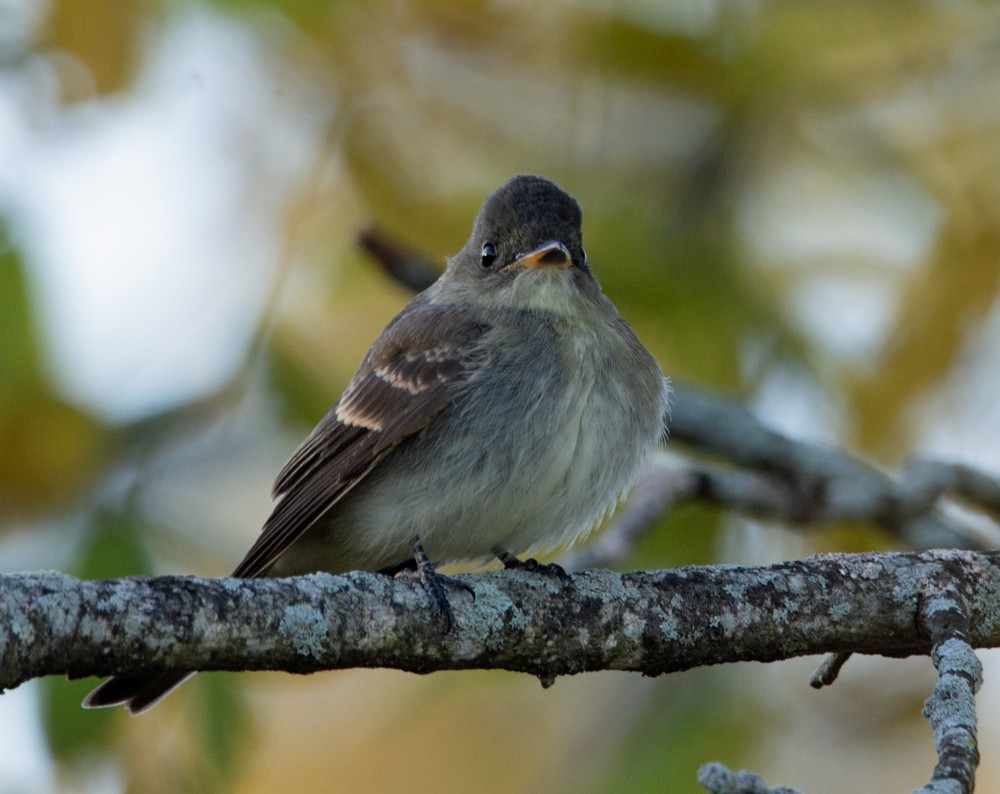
[531, 456]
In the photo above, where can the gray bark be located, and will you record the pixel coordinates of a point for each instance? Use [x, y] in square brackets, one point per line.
[650, 622]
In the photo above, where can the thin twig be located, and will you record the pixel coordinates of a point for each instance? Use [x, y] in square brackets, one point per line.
[828, 671]
[718, 779]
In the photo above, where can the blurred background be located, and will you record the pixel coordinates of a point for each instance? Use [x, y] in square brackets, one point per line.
[795, 203]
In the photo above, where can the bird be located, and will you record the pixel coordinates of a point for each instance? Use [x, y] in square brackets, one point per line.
[507, 409]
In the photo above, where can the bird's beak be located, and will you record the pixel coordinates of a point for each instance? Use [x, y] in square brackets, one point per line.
[550, 254]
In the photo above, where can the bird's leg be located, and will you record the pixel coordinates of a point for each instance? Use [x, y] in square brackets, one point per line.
[510, 562]
[433, 582]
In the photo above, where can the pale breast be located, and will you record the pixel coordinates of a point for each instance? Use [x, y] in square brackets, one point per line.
[543, 442]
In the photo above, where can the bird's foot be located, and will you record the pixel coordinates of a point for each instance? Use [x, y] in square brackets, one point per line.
[434, 584]
[510, 562]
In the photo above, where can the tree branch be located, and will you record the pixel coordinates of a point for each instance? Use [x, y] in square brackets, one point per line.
[649, 622]
[943, 614]
[952, 707]
[803, 483]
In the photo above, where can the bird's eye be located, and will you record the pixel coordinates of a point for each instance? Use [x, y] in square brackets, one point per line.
[489, 255]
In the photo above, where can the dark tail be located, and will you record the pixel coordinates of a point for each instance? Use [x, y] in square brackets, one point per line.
[136, 692]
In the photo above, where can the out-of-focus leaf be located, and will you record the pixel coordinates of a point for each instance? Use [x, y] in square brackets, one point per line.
[72, 731]
[681, 727]
[850, 538]
[305, 397]
[51, 451]
[686, 536]
[114, 546]
[225, 721]
[189, 742]
[954, 295]
[49, 447]
[666, 280]
[19, 349]
[103, 35]
[315, 353]
[640, 52]
[309, 16]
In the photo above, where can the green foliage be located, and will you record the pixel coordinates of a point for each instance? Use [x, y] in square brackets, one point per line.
[49, 446]
[19, 348]
[685, 536]
[73, 733]
[680, 727]
[114, 545]
[221, 719]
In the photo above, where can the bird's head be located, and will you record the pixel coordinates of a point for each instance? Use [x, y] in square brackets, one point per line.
[526, 250]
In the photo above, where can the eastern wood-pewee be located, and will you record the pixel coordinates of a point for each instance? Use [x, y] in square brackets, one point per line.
[506, 408]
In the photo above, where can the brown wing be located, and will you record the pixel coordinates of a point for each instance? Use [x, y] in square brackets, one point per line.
[423, 359]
